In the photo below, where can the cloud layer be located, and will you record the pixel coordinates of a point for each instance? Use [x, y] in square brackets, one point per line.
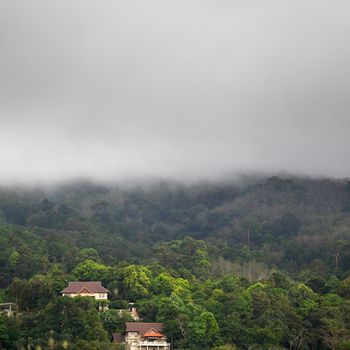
[111, 89]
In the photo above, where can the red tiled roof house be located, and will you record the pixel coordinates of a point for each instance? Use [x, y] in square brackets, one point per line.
[86, 289]
[143, 336]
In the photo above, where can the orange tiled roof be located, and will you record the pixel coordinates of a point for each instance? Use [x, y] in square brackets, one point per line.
[153, 334]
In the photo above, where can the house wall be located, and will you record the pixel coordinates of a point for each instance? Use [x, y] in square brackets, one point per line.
[97, 296]
[133, 341]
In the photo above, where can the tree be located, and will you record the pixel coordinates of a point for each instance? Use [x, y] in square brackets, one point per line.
[335, 334]
[203, 330]
[4, 338]
[225, 347]
[77, 317]
[344, 288]
[136, 281]
[336, 249]
[113, 322]
[90, 270]
[89, 254]
[303, 298]
[288, 225]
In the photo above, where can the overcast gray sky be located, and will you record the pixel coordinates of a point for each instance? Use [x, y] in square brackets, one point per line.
[182, 89]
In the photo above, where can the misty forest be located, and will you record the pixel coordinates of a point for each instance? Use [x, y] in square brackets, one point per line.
[174, 175]
[262, 264]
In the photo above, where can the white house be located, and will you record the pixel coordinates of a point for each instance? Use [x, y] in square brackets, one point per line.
[86, 289]
[143, 336]
[8, 309]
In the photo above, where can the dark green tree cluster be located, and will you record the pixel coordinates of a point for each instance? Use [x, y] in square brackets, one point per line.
[199, 311]
[264, 265]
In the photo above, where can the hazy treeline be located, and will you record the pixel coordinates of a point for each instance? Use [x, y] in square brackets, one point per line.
[264, 265]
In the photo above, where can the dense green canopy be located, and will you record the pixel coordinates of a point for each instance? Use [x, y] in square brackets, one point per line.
[259, 266]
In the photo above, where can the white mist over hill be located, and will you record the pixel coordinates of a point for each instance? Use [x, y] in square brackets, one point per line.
[181, 90]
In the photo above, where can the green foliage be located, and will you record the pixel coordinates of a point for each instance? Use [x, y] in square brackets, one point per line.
[263, 266]
[113, 321]
[90, 270]
[136, 281]
[4, 337]
[89, 254]
[184, 254]
[77, 317]
[303, 298]
[344, 288]
[14, 258]
[203, 330]
[225, 347]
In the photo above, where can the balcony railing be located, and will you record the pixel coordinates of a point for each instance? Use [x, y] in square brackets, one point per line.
[154, 343]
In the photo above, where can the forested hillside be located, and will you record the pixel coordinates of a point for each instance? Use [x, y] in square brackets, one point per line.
[262, 264]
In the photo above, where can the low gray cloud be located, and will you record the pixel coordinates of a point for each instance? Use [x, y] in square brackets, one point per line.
[181, 89]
